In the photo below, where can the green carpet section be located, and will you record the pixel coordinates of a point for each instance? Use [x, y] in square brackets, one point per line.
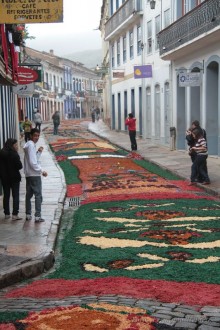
[6, 317]
[146, 239]
[157, 170]
[70, 171]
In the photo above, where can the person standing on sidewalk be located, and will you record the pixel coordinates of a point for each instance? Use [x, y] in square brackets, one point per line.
[131, 123]
[56, 122]
[27, 126]
[37, 119]
[33, 172]
[191, 143]
[199, 166]
[10, 164]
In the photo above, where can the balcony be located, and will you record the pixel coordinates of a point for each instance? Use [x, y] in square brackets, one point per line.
[122, 18]
[198, 29]
[6, 78]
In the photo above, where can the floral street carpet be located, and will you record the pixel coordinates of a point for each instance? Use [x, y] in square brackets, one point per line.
[139, 231]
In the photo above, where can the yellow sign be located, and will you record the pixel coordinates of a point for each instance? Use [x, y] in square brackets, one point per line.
[31, 11]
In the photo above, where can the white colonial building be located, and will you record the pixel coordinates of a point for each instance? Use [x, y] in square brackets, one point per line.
[191, 43]
[175, 39]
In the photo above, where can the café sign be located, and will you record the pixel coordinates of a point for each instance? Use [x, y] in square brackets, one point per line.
[27, 76]
[31, 11]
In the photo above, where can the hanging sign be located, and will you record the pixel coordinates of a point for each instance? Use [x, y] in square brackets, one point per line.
[31, 11]
[118, 74]
[142, 71]
[27, 75]
[24, 90]
[190, 79]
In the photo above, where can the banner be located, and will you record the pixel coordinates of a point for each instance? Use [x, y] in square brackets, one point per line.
[190, 79]
[31, 11]
[142, 71]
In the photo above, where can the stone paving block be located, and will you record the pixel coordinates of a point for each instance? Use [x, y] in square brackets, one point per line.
[214, 319]
[186, 310]
[173, 314]
[168, 322]
[127, 301]
[113, 300]
[186, 325]
[211, 309]
[213, 324]
[170, 305]
[207, 327]
[161, 316]
[76, 301]
[196, 318]
[144, 303]
[211, 314]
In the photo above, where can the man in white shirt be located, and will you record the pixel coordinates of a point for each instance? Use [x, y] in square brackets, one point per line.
[33, 172]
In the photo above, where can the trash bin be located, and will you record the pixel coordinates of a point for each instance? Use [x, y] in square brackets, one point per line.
[172, 138]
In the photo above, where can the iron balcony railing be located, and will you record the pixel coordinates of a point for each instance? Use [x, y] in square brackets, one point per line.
[196, 22]
[128, 8]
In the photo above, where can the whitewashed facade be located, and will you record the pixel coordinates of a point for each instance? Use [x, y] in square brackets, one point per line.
[177, 36]
[131, 31]
[195, 50]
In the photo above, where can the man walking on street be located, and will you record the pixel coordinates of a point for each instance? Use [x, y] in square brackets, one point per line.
[56, 122]
[33, 171]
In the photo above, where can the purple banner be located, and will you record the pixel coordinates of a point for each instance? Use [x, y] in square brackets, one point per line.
[142, 71]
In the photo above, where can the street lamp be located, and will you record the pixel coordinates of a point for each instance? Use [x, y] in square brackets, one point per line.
[102, 71]
[152, 4]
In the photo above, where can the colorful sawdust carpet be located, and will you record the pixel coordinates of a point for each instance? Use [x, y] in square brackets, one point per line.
[93, 316]
[140, 232]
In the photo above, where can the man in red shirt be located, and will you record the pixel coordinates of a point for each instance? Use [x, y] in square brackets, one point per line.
[131, 123]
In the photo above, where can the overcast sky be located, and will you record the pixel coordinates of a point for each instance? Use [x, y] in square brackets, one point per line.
[76, 33]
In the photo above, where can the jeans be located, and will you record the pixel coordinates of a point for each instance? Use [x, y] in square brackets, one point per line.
[27, 136]
[199, 167]
[132, 135]
[7, 189]
[55, 129]
[33, 187]
[38, 125]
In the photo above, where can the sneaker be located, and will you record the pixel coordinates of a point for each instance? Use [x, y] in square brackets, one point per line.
[39, 219]
[16, 217]
[7, 216]
[28, 217]
[206, 182]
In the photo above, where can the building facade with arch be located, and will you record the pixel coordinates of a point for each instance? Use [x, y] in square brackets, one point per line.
[173, 37]
[195, 51]
[131, 31]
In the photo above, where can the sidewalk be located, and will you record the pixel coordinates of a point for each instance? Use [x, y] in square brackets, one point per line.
[30, 246]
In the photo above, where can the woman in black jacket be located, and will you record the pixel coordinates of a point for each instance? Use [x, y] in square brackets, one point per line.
[10, 164]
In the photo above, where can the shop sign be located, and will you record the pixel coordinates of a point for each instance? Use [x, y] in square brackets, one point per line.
[190, 79]
[24, 90]
[142, 71]
[27, 75]
[31, 11]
